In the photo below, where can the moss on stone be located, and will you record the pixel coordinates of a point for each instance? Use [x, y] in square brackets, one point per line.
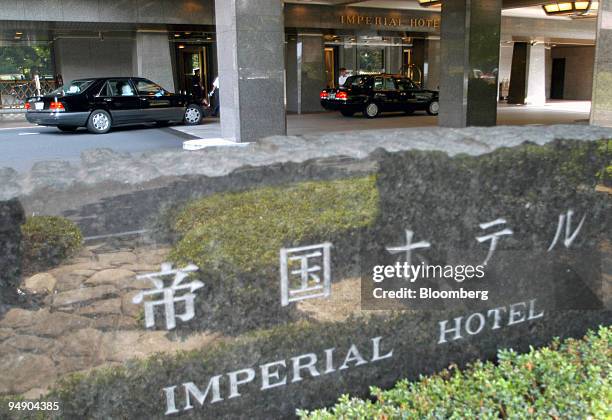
[246, 230]
[605, 149]
[47, 241]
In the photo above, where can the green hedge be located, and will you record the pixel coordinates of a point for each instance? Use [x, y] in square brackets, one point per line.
[235, 240]
[47, 241]
[246, 230]
[572, 379]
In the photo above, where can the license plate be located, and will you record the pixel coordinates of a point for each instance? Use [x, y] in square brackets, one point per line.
[39, 106]
[332, 96]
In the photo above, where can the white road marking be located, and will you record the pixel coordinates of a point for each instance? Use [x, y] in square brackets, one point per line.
[14, 128]
[27, 134]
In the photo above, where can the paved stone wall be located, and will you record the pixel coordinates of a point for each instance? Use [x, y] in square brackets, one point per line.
[229, 217]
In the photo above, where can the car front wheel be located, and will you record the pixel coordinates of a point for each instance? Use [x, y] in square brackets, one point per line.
[193, 115]
[371, 110]
[99, 122]
[433, 108]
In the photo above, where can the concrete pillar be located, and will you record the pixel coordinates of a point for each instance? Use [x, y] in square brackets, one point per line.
[152, 58]
[418, 59]
[431, 67]
[250, 42]
[393, 56]
[310, 70]
[291, 80]
[528, 75]
[518, 74]
[536, 75]
[601, 105]
[470, 34]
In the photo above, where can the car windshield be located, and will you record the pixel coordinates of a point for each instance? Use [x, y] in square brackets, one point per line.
[73, 88]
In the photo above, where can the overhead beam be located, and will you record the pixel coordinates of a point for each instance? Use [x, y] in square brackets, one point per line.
[515, 4]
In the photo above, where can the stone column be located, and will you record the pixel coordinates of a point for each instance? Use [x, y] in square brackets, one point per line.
[431, 67]
[536, 75]
[291, 81]
[152, 58]
[528, 76]
[470, 34]
[601, 105]
[518, 74]
[250, 41]
[310, 72]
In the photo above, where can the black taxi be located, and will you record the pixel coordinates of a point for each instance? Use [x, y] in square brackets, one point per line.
[102, 103]
[373, 94]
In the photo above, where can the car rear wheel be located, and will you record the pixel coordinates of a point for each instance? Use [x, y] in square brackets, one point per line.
[433, 108]
[193, 115]
[68, 128]
[347, 113]
[99, 122]
[371, 110]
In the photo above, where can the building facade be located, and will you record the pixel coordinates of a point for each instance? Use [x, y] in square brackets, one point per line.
[168, 41]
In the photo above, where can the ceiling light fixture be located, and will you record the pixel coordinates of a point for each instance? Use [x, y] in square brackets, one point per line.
[430, 3]
[571, 8]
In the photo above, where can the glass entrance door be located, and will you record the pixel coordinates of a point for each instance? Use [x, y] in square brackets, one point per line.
[192, 66]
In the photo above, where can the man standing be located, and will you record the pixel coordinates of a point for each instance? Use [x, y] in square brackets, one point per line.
[214, 95]
[343, 76]
[196, 86]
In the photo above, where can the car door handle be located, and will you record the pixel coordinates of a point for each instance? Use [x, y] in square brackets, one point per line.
[143, 99]
[108, 99]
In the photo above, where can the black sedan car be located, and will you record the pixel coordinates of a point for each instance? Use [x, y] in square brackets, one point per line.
[373, 94]
[102, 103]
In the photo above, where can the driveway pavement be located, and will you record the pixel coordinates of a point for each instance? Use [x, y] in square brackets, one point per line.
[20, 148]
[22, 144]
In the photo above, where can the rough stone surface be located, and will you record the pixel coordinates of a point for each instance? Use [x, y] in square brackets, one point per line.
[83, 295]
[101, 307]
[68, 279]
[26, 371]
[105, 206]
[117, 277]
[54, 324]
[30, 343]
[41, 283]
[11, 218]
[91, 321]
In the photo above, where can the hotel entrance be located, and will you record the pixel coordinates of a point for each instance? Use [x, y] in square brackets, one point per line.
[194, 59]
[367, 54]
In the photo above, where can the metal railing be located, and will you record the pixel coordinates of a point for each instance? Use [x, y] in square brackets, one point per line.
[13, 93]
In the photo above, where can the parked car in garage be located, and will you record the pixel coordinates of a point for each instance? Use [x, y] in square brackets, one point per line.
[374, 94]
[102, 103]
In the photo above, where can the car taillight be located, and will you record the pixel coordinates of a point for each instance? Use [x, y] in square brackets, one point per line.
[341, 95]
[28, 106]
[323, 95]
[56, 106]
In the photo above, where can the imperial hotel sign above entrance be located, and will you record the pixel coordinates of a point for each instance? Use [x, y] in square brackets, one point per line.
[389, 21]
[360, 19]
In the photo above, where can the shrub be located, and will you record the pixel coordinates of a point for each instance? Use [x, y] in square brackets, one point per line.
[568, 380]
[47, 241]
[246, 230]
[235, 239]
[605, 149]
